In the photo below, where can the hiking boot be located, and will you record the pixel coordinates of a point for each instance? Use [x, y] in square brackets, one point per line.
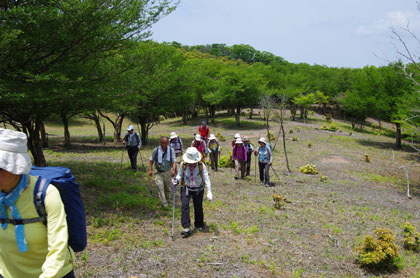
[267, 185]
[186, 232]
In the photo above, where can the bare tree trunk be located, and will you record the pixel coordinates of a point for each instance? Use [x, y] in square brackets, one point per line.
[117, 124]
[32, 128]
[144, 132]
[238, 116]
[44, 136]
[250, 114]
[65, 121]
[184, 117]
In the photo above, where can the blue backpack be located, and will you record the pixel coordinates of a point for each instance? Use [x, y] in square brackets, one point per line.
[63, 180]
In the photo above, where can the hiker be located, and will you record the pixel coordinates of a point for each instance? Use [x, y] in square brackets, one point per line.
[249, 150]
[200, 145]
[176, 144]
[132, 142]
[35, 249]
[204, 131]
[239, 155]
[214, 151]
[264, 162]
[164, 159]
[194, 177]
[237, 135]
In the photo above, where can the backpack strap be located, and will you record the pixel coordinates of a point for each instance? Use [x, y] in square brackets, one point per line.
[184, 167]
[200, 169]
[40, 191]
[24, 221]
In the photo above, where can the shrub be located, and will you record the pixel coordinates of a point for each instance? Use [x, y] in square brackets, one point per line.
[271, 136]
[324, 127]
[295, 138]
[332, 127]
[328, 117]
[411, 237]
[351, 133]
[291, 131]
[308, 169]
[297, 128]
[367, 158]
[323, 178]
[226, 161]
[379, 254]
[310, 145]
[220, 137]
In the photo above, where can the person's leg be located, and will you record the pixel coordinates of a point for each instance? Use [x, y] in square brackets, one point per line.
[134, 163]
[243, 168]
[216, 160]
[261, 167]
[159, 180]
[69, 275]
[185, 210]
[130, 156]
[237, 166]
[267, 173]
[248, 164]
[198, 209]
[168, 185]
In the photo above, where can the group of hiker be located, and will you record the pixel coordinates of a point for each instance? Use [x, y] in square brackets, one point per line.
[44, 248]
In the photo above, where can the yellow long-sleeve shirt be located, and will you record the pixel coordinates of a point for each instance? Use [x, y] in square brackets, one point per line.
[48, 252]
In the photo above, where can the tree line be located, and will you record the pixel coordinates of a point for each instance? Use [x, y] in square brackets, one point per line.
[60, 59]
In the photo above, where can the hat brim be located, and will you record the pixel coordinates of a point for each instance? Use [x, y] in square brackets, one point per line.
[15, 163]
[173, 136]
[188, 160]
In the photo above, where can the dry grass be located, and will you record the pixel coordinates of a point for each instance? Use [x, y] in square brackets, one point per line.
[248, 236]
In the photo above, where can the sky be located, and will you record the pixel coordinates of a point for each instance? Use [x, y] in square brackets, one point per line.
[335, 33]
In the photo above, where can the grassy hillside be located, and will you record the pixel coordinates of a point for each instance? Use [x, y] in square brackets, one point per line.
[313, 236]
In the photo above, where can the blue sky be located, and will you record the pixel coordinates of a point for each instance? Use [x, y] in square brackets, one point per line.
[343, 33]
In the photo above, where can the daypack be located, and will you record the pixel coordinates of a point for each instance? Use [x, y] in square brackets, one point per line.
[200, 169]
[200, 146]
[176, 144]
[63, 180]
[204, 132]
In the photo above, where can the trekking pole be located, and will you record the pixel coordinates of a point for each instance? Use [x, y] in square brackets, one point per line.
[255, 163]
[174, 182]
[142, 162]
[275, 172]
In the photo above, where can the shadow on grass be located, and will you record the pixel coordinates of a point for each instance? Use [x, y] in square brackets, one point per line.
[105, 188]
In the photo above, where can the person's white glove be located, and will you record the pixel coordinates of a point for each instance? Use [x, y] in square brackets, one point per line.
[209, 196]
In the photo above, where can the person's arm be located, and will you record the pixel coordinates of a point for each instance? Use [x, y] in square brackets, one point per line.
[207, 183]
[173, 159]
[233, 153]
[179, 176]
[182, 146]
[57, 235]
[245, 153]
[125, 139]
[151, 160]
[270, 153]
[139, 139]
[252, 147]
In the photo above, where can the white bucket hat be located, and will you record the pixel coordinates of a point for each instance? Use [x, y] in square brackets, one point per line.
[192, 155]
[173, 135]
[237, 135]
[238, 141]
[246, 139]
[262, 140]
[198, 137]
[130, 127]
[212, 137]
[14, 156]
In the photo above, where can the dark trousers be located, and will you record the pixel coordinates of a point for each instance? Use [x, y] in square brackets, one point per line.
[70, 275]
[214, 157]
[198, 208]
[264, 172]
[248, 163]
[132, 154]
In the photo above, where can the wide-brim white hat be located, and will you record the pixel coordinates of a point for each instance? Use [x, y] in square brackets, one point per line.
[262, 140]
[198, 137]
[238, 141]
[192, 155]
[237, 135]
[246, 139]
[130, 127]
[14, 156]
[212, 137]
[173, 135]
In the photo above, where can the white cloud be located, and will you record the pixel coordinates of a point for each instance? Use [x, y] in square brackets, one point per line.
[392, 19]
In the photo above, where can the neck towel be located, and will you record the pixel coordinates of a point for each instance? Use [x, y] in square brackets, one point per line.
[160, 152]
[262, 153]
[10, 200]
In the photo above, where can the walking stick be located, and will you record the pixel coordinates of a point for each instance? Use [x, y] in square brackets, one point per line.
[174, 182]
[142, 162]
[255, 163]
[275, 172]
